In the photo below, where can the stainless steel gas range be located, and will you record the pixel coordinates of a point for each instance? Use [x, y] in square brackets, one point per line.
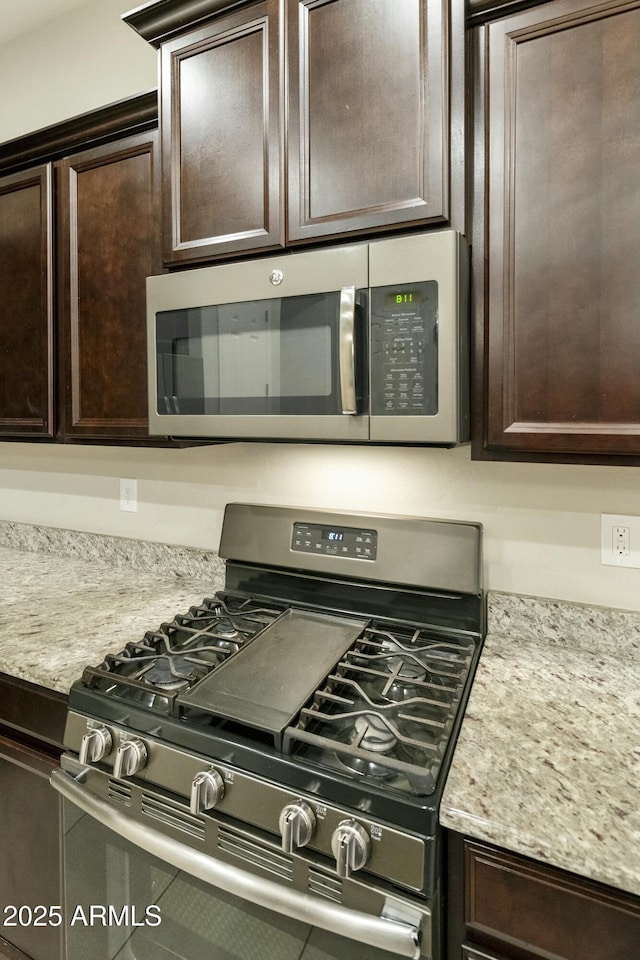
[278, 753]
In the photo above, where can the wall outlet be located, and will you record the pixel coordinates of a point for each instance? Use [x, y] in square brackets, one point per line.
[129, 495]
[620, 540]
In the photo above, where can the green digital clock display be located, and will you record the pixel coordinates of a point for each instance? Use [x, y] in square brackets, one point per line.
[403, 298]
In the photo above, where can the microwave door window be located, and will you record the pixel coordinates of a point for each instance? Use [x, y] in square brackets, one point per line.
[242, 357]
[308, 350]
[180, 366]
[258, 358]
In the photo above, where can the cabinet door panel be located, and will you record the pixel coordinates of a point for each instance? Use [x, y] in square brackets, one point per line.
[29, 848]
[562, 160]
[26, 314]
[367, 138]
[110, 244]
[221, 137]
[536, 911]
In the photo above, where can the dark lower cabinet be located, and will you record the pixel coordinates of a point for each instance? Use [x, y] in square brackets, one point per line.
[30, 845]
[506, 907]
[31, 728]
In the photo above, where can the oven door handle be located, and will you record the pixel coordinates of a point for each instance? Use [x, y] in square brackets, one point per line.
[398, 930]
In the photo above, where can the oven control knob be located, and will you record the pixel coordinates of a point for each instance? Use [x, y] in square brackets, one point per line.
[95, 744]
[297, 825]
[131, 756]
[207, 789]
[351, 847]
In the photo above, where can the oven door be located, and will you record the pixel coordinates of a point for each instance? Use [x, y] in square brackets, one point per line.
[134, 892]
[269, 348]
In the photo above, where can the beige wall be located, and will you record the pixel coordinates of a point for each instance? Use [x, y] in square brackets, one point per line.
[542, 522]
[81, 60]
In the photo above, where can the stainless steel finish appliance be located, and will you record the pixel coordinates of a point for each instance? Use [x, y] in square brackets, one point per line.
[366, 342]
[282, 747]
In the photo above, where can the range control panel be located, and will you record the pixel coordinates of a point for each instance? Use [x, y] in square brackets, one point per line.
[338, 541]
[404, 349]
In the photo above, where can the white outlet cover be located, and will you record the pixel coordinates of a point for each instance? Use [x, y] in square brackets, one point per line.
[129, 495]
[608, 555]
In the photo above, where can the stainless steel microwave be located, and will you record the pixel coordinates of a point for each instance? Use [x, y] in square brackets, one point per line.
[366, 342]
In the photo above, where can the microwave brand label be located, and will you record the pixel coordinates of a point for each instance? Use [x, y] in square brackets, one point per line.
[276, 277]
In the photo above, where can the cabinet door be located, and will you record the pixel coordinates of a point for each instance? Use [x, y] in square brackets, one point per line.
[30, 861]
[109, 233]
[368, 111]
[562, 191]
[26, 309]
[523, 909]
[221, 132]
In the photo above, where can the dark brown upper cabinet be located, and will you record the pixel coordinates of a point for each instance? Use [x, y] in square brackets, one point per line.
[557, 233]
[221, 121]
[26, 304]
[368, 142]
[109, 243]
[73, 320]
[289, 121]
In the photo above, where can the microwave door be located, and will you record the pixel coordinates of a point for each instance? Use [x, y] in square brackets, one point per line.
[253, 359]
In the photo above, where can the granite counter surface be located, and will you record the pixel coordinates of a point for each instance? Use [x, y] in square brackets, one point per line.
[548, 759]
[67, 599]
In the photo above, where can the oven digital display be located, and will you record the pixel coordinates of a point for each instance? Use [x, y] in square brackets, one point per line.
[337, 536]
[348, 543]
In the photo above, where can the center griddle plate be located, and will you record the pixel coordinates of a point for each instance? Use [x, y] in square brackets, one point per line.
[269, 681]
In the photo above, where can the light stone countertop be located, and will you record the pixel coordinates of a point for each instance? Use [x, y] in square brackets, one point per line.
[548, 759]
[67, 599]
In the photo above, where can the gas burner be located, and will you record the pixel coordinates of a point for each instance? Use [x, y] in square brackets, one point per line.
[373, 734]
[157, 664]
[407, 670]
[225, 630]
[162, 673]
[405, 680]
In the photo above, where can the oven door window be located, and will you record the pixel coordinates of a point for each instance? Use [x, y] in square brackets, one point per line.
[123, 904]
[262, 357]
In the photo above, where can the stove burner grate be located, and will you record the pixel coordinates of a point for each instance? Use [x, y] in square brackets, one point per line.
[387, 710]
[178, 654]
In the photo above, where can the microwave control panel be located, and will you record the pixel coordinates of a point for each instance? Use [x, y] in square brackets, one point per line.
[351, 542]
[404, 349]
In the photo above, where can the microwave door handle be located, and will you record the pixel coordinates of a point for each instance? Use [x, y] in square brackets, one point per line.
[398, 929]
[348, 350]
